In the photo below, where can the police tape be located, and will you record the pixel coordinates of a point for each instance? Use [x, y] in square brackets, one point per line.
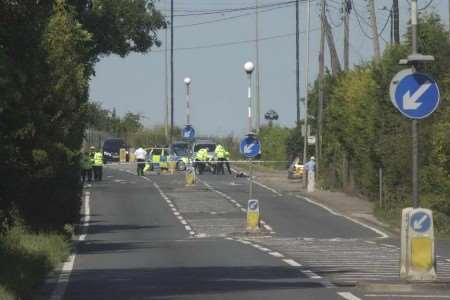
[208, 161]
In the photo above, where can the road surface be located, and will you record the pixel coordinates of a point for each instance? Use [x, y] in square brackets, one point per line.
[154, 238]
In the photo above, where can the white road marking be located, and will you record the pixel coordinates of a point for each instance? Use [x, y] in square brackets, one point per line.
[183, 222]
[447, 259]
[408, 296]
[188, 228]
[292, 262]
[176, 213]
[66, 271]
[276, 254]
[348, 296]
[267, 188]
[379, 232]
[311, 274]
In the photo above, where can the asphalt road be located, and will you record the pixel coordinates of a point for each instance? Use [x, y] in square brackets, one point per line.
[154, 238]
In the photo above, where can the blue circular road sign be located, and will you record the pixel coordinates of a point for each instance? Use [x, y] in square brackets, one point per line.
[415, 95]
[250, 146]
[420, 222]
[188, 132]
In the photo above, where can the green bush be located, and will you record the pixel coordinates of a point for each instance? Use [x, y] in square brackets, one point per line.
[26, 258]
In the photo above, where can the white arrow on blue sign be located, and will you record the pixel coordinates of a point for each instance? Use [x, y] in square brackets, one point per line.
[250, 146]
[415, 95]
[188, 132]
[420, 222]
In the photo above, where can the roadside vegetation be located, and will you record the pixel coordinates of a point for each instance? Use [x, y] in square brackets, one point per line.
[48, 50]
[363, 131]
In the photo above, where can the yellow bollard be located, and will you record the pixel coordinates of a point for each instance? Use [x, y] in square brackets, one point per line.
[172, 166]
[122, 155]
[253, 218]
[190, 176]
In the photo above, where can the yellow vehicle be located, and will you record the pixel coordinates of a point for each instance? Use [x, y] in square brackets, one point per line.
[157, 158]
[296, 169]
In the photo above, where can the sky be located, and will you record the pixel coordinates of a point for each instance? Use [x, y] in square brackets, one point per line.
[213, 54]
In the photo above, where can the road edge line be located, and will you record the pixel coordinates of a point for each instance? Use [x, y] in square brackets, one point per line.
[382, 234]
[67, 267]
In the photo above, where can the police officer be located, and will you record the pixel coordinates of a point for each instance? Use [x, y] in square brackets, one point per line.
[98, 166]
[86, 167]
[200, 160]
[227, 163]
[220, 155]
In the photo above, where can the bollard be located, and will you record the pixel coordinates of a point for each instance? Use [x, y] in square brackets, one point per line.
[418, 262]
[172, 166]
[311, 186]
[132, 155]
[122, 155]
[190, 176]
[253, 218]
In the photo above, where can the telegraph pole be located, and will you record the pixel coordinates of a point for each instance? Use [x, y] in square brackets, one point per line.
[305, 144]
[373, 26]
[166, 88]
[449, 19]
[258, 68]
[297, 58]
[171, 73]
[321, 86]
[347, 9]
[396, 20]
[415, 138]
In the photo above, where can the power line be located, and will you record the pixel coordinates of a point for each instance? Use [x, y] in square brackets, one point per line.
[225, 44]
[230, 18]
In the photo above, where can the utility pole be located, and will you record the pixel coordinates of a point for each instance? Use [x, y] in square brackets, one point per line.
[347, 8]
[396, 21]
[334, 57]
[166, 88]
[415, 138]
[373, 26]
[297, 58]
[308, 24]
[171, 73]
[449, 19]
[321, 87]
[258, 68]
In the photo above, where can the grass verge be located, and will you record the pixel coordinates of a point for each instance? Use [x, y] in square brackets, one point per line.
[26, 258]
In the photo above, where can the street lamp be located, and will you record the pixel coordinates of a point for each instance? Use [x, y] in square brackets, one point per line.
[187, 81]
[249, 67]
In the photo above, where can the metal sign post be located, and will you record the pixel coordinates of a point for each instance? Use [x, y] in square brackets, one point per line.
[416, 96]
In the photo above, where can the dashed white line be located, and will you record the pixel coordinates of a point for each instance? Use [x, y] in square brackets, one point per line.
[292, 262]
[348, 296]
[311, 274]
[188, 228]
[447, 259]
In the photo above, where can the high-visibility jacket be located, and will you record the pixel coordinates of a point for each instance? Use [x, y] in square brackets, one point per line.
[202, 154]
[98, 159]
[220, 152]
[91, 157]
[227, 155]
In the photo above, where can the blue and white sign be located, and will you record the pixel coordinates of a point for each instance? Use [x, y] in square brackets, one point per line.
[420, 221]
[188, 132]
[415, 95]
[250, 146]
[253, 205]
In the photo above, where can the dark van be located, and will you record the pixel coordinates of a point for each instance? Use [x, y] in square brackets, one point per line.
[111, 149]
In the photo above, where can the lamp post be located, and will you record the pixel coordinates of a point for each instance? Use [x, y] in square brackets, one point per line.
[249, 67]
[187, 81]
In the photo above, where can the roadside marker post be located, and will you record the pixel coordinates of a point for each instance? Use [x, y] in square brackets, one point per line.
[404, 242]
[253, 217]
